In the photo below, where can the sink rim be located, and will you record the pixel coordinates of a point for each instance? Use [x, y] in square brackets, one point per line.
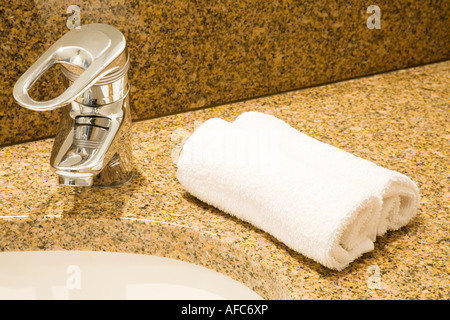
[171, 274]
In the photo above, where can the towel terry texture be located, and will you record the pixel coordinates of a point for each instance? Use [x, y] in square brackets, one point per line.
[319, 200]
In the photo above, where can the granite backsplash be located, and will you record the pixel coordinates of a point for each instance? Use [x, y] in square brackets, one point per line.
[191, 54]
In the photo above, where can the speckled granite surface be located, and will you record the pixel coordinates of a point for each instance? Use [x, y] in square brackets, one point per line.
[186, 55]
[399, 120]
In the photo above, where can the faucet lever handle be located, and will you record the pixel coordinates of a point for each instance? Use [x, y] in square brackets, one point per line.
[90, 51]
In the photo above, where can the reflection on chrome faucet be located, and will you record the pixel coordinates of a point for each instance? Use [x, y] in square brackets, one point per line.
[92, 146]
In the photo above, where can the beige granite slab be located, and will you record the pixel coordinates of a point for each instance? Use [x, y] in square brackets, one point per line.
[399, 120]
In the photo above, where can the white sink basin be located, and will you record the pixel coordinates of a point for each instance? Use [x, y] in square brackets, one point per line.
[107, 275]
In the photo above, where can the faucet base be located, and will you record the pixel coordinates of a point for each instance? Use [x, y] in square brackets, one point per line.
[118, 170]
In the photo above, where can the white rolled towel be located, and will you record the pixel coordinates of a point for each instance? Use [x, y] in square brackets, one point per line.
[319, 200]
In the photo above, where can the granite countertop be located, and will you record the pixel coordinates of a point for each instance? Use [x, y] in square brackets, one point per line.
[399, 120]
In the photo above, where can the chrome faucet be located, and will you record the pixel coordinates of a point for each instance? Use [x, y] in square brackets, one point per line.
[93, 143]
